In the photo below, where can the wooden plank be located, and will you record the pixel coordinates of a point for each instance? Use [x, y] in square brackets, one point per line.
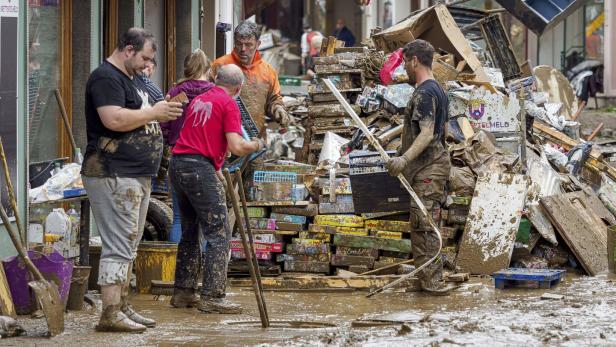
[493, 221]
[7, 308]
[402, 246]
[311, 281]
[583, 231]
[595, 161]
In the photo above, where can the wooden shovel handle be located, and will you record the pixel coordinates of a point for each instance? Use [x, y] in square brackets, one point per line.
[17, 243]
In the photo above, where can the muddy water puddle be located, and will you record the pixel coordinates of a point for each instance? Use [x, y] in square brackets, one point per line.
[476, 314]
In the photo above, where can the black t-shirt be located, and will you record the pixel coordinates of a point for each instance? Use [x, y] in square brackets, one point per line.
[109, 153]
[428, 103]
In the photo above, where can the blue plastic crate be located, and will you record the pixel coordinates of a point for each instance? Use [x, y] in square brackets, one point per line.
[536, 278]
[274, 176]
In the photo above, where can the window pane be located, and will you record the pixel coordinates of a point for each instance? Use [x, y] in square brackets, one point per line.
[43, 78]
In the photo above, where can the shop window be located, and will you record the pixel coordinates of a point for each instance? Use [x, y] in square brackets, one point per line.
[44, 23]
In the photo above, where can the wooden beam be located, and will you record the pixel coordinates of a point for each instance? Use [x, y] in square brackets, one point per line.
[170, 61]
[66, 79]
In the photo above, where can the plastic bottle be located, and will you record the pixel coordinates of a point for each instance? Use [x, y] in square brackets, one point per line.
[58, 222]
[36, 225]
[75, 218]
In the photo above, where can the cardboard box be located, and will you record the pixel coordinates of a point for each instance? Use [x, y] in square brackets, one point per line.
[436, 25]
[340, 220]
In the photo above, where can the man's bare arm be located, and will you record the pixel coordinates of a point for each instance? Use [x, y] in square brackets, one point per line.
[426, 135]
[396, 165]
[118, 118]
[241, 147]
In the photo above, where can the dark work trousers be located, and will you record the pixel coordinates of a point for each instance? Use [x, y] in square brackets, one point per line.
[202, 201]
[429, 185]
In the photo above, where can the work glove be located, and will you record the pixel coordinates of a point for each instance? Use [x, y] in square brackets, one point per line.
[396, 165]
[281, 116]
[260, 142]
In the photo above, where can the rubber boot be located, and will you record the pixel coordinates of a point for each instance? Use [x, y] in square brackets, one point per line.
[112, 317]
[184, 298]
[127, 308]
[218, 305]
[439, 288]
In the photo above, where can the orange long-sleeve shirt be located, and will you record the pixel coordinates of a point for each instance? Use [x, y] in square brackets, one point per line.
[261, 90]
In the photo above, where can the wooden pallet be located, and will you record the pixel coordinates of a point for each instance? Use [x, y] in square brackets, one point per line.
[534, 278]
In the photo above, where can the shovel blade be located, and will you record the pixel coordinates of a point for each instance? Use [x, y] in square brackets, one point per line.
[48, 298]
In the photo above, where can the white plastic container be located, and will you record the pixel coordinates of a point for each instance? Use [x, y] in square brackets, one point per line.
[59, 223]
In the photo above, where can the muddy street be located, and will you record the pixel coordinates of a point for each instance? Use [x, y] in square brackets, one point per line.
[475, 314]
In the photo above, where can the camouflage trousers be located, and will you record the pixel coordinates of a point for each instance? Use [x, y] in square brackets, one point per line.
[203, 211]
[429, 184]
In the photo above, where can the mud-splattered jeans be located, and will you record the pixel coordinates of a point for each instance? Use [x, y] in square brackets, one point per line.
[203, 210]
[120, 207]
[429, 184]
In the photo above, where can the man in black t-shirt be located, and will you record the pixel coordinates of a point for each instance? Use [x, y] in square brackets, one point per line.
[123, 154]
[424, 159]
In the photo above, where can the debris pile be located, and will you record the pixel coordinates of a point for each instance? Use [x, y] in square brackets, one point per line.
[525, 190]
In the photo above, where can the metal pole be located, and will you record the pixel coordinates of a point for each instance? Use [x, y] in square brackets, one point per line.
[373, 141]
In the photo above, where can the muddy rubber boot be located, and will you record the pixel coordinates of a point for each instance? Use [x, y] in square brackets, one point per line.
[184, 298]
[438, 288]
[130, 312]
[114, 320]
[218, 305]
[128, 309]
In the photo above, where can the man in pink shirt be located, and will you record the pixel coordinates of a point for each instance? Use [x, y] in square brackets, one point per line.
[212, 126]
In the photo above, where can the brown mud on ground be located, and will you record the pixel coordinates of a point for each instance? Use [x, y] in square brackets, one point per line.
[476, 314]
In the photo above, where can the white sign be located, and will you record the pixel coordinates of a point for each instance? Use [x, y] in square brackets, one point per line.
[9, 8]
[493, 112]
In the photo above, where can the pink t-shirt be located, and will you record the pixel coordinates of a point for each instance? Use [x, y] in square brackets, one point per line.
[210, 116]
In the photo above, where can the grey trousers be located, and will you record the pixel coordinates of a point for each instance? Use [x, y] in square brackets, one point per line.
[120, 206]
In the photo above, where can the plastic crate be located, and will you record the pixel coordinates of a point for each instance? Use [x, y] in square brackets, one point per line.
[274, 177]
[248, 124]
[374, 190]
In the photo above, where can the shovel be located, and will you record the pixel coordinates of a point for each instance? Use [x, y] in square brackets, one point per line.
[46, 293]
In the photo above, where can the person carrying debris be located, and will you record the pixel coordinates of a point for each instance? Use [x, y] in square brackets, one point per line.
[123, 154]
[423, 159]
[261, 90]
[212, 126]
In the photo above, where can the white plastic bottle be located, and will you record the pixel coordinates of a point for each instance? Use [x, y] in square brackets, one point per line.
[59, 223]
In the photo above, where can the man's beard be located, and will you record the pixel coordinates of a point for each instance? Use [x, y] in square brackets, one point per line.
[130, 67]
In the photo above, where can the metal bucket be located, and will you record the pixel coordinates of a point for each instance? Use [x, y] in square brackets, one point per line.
[79, 287]
[155, 261]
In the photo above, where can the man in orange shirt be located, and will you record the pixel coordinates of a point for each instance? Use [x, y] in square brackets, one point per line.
[261, 90]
